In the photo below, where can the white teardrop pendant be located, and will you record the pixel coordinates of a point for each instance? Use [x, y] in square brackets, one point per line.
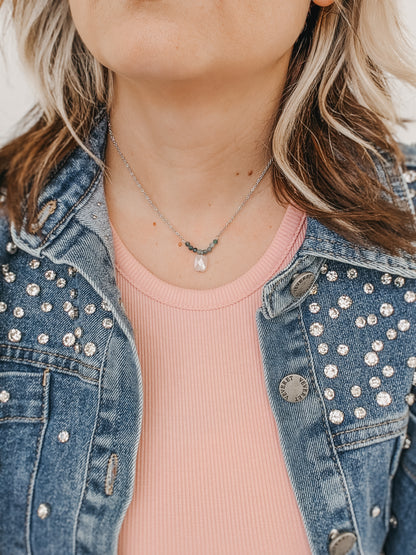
[200, 263]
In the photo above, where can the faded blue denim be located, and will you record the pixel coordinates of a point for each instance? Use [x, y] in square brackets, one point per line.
[61, 495]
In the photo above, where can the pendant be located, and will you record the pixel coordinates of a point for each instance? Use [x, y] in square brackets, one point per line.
[200, 263]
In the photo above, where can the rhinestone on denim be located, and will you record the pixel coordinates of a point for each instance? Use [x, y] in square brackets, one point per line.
[336, 416]
[410, 399]
[403, 325]
[46, 307]
[324, 269]
[77, 348]
[377, 345]
[388, 371]
[3, 306]
[50, 275]
[414, 379]
[332, 276]
[68, 339]
[63, 436]
[386, 279]
[372, 320]
[90, 349]
[383, 399]
[71, 271]
[352, 273]
[407, 442]
[61, 282]
[343, 349]
[4, 269]
[391, 333]
[10, 277]
[67, 306]
[333, 313]
[78, 332]
[314, 289]
[107, 323]
[14, 335]
[386, 309]
[18, 312]
[316, 329]
[90, 308]
[34, 264]
[360, 412]
[33, 289]
[323, 348]
[105, 305]
[73, 293]
[399, 281]
[11, 248]
[410, 296]
[368, 288]
[4, 396]
[331, 371]
[43, 338]
[411, 362]
[374, 382]
[375, 511]
[355, 390]
[344, 301]
[43, 511]
[73, 313]
[314, 308]
[329, 393]
[360, 322]
[371, 358]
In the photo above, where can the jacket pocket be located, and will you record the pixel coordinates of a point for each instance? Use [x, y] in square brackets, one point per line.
[24, 406]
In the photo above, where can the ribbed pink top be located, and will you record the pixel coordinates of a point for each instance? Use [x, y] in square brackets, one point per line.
[210, 477]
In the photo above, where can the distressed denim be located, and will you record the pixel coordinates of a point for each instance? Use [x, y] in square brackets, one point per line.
[337, 336]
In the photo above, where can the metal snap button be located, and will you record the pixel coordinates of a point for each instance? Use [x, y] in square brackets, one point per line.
[293, 388]
[341, 544]
[301, 284]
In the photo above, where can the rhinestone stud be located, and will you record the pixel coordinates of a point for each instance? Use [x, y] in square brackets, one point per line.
[411, 362]
[331, 371]
[360, 322]
[61, 282]
[316, 329]
[360, 412]
[344, 301]
[107, 323]
[43, 511]
[18, 312]
[11, 248]
[355, 390]
[33, 289]
[336, 416]
[368, 288]
[372, 320]
[386, 279]
[314, 308]
[329, 393]
[4, 396]
[34, 264]
[90, 308]
[399, 281]
[410, 399]
[63, 436]
[375, 511]
[90, 349]
[50, 275]
[374, 382]
[105, 305]
[68, 339]
[15, 335]
[333, 313]
[383, 399]
[10, 277]
[391, 334]
[78, 332]
[371, 358]
[343, 350]
[386, 309]
[323, 348]
[377, 345]
[352, 273]
[403, 325]
[3, 306]
[46, 307]
[43, 338]
[388, 371]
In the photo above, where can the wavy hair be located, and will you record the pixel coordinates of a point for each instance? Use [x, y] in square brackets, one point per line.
[335, 120]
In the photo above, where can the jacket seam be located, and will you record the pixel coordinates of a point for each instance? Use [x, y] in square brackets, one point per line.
[409, 472]
[370, 426]
[372, 438]
[64, 357]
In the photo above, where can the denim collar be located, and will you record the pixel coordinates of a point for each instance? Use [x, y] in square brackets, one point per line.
[76, 180]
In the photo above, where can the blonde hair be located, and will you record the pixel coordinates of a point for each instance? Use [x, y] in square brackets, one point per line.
[335, 117]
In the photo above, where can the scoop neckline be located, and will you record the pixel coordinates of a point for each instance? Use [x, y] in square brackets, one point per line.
[274, 258]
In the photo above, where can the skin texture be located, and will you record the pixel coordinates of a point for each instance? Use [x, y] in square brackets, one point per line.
[197, 84]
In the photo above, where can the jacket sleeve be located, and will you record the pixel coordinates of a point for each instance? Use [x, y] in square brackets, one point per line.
[401, 539]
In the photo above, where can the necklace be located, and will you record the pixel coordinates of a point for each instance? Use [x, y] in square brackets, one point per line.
[200, 261]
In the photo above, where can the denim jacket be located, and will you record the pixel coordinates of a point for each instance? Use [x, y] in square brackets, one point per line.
[337, 336]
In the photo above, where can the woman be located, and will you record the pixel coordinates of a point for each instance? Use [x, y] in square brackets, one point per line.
[212, 189]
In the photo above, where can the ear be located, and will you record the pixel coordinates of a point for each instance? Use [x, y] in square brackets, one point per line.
[323, 3]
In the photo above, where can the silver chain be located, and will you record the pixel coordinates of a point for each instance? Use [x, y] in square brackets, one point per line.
[156, 209]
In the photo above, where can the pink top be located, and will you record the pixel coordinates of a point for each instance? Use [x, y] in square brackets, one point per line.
[210, 475]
